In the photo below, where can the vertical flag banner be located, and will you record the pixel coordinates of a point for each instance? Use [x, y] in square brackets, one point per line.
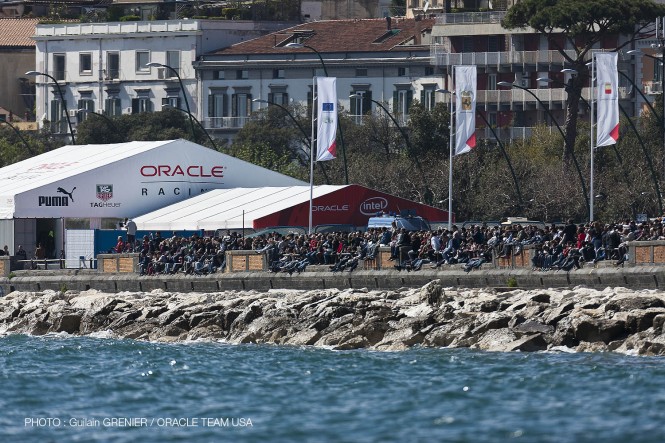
[465, 100]
[326, 118]
[607, 119]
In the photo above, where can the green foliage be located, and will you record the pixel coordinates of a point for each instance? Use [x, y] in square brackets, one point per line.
[130, 18]
[511, 282]
[11, 275]
[168, 124]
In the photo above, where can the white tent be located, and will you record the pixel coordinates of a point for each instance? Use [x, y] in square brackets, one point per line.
[229, 208]
[122, 180]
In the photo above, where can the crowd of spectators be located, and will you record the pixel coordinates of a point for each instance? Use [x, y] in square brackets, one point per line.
[556, 246]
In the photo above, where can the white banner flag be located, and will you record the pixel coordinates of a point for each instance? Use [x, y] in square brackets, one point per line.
[465, 100]
[607, 83]
[326, 118]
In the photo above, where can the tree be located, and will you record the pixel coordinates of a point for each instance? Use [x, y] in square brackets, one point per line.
[583, 25]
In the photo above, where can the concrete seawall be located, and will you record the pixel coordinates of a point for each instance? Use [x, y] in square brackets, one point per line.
[634, 277]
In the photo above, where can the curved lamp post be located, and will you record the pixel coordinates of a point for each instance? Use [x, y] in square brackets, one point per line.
[309, 141]
[15, 129]
[100, 115]
[339, 126]
[197, 122]
[632, 126]
[404, 136]
[182, 87]
[547, 109]
[62, 98]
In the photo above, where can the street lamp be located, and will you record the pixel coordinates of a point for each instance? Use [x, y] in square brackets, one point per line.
[62, 98]
[100, 115]
[197, 122]
[406, 139]
[450, 151]
[547, 109]
[309, 141]
[294, 45]
[182, 87]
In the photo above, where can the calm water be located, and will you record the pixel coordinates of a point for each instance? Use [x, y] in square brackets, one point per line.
[56, 389]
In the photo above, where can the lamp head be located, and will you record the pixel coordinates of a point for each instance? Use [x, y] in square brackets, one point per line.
[294, 45]
[505, 84]
[154, 65]
[33, 73]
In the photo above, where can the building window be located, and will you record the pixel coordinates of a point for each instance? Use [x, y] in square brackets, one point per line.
[59, 66]
[467, 44]
[112, 107]
[241, 107]
[360, 104]
[279, 98]
[429, 70]
[142, 59]
[491, 119]
[85, 63]
[112, 65]
[361, 72]
[171, 102]
[428, 97]
[242, 74]
[141, 105]
[218, 75]
[402, 102]
[218, 108]
[59, 120]
[277, 73]
[402, 71]
[491, 82]
[86, 103]
[172, 60]
[492, 43]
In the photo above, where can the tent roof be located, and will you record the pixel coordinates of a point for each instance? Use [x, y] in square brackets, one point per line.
[65, 162]
[223, 208]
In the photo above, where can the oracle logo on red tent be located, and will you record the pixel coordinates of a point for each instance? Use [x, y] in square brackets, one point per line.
[373, 205]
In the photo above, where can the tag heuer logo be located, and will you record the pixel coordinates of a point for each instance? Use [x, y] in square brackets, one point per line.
[105, 192]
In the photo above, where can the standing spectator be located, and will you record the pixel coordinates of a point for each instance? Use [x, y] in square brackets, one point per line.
[130, 226]
[119, 246]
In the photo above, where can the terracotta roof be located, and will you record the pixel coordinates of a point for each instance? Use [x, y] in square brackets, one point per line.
[17, 32]
[339, 36]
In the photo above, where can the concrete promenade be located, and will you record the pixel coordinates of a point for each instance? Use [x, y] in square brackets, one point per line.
[634, 277]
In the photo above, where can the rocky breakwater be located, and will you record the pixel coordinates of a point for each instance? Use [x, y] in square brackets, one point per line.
[615, 319]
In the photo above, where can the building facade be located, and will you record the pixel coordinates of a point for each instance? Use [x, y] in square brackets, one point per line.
[374, 60]
[104, 67]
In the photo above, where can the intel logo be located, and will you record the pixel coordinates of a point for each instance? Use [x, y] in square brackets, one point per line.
[373, 205]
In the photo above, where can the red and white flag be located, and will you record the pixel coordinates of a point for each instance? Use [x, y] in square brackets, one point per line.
[465, 100]
[326, 118]
[607, 82]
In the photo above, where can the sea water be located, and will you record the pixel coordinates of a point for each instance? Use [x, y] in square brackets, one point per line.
[60, 388]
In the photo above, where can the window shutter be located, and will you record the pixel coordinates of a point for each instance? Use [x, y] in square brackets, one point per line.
[367, 102]
[409, 99]
[271, 97]
[249, 105]
[395, 102]
[234, 105]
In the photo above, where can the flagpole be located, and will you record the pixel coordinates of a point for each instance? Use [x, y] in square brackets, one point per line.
[312, 152]
[450, 149]
[591, 101]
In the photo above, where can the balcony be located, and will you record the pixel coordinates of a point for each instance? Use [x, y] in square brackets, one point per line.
[224, 122]
[456, 18]
[441, 57]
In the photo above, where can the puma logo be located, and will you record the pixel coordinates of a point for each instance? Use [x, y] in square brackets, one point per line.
[62, 191]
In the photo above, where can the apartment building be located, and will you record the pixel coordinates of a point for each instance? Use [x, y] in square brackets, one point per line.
[374, 60]
[17, 50]
[523, 57]
[104, 67]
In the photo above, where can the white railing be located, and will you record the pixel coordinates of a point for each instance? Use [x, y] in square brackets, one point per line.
[117, 28]
[441, 57]
[470, 17]
[224, 122]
